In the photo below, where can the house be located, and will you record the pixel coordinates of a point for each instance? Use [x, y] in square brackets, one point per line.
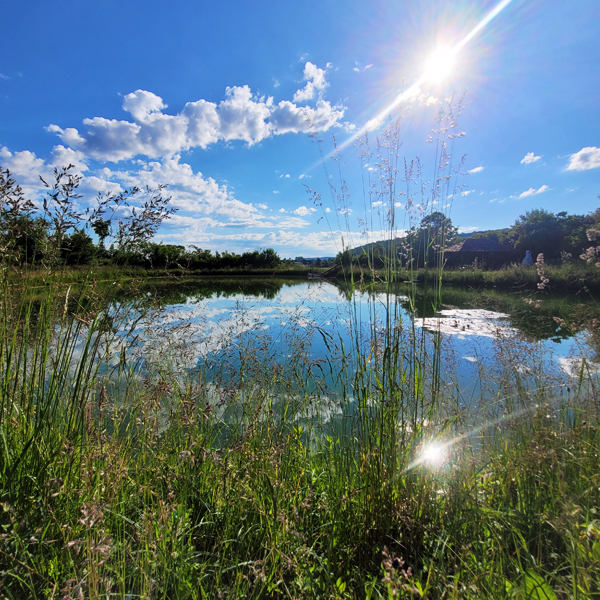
[485, 251]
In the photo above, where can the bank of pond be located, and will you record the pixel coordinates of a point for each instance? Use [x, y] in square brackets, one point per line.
[280, 437]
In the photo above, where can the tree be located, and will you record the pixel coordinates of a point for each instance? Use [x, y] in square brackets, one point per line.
[23, 237]
[59, 233]
[78, 249]
[539, 231]
[164, 255]
[423, 247]
[143, 222]
[439, 228]
[60, 213]
[102, 230]
[268, 258]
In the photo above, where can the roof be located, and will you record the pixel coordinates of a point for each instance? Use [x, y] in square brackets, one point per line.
[479, 245]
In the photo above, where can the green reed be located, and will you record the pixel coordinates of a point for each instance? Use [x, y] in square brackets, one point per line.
[158, 484]
[128, 471]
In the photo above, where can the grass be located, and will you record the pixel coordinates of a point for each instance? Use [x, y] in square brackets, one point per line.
[568, 277]
[234, 483]
[34, 277]
[128, 471]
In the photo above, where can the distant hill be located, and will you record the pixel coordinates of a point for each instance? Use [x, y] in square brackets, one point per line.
[383, 245]
[498, 235]
[494, 234]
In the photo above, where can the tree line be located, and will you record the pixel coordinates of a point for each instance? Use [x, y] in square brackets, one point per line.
[559, 237]
[59, 233]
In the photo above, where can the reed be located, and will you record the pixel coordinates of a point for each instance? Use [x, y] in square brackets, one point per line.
[130, 470]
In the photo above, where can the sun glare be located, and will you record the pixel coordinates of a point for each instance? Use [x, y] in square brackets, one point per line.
[433, 454]
[439, 65]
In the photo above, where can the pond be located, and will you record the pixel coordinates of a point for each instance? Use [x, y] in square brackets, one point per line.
[322, 335]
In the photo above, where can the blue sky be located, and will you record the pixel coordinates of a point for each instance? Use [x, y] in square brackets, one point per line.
[212, 99]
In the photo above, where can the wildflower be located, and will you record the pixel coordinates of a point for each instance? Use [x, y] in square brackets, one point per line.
[539, 263]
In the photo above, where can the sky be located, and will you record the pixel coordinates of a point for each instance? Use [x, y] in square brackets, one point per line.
[237, 107]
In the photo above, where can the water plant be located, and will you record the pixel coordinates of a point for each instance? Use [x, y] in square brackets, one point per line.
[129, 468]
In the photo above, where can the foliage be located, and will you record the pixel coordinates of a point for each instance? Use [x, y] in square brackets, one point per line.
[22, 236]
[125, 472]
[556, 236]
[78, 248]
[232, 480]
[422, 246]
[59, 234]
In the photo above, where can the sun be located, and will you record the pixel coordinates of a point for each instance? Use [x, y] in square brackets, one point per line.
[439, 65]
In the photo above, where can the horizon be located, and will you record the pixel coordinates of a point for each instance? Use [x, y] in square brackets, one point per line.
[214, 103]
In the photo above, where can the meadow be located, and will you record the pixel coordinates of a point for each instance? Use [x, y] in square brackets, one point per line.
[124, 474]
[127, 479]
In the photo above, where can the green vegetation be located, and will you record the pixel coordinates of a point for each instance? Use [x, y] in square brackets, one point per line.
[129, 471]
[58, 235]
[238, 478]
[561, 239]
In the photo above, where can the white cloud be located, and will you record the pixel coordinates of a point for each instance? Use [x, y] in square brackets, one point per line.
[377, 203]
[425, 100]
[190, 191]
[282, 210]
[240, 116]
[534, 192]
[97, 185]
[466, 192]
[25, 165]
[303, 211]
[292, 223]
[26, 168]
[476, 170]
[357, 68]
[584, 160]
[143, 105]
[243, 118]
[276, 191]
[315, 83]
[529, 158]
[63, 157]
[287, 175]
[289, 118]
[373, 124]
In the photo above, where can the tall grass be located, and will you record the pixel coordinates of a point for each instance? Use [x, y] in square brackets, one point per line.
[130, 471]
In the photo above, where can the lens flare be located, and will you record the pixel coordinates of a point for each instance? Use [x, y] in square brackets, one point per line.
[433, 454]
[439, 65]
[415, 87]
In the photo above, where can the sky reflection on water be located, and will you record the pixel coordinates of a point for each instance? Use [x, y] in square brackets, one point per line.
[198, 328]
